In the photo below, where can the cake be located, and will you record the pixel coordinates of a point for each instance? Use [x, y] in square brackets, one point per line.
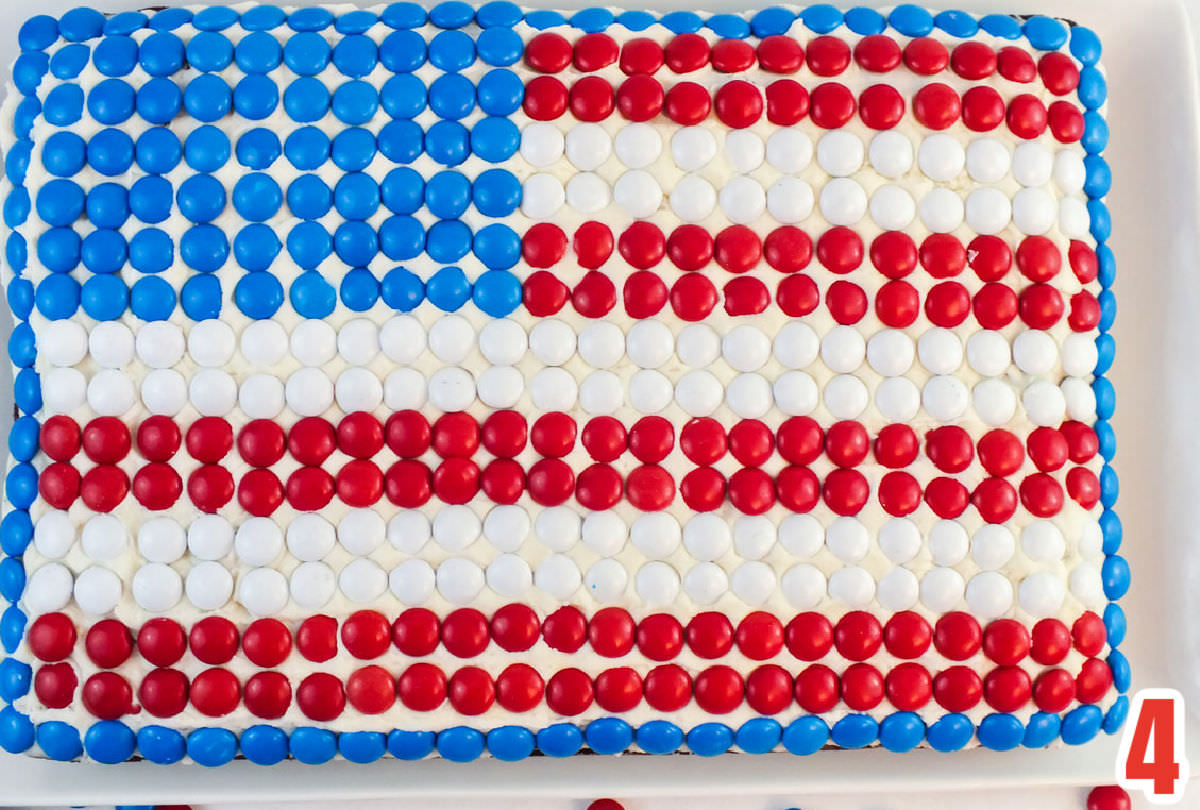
[475, 381]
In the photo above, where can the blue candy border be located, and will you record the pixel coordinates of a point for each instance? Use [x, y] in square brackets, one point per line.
[111, 741]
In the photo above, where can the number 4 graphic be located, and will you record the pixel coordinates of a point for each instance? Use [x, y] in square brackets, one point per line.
[1151, 757]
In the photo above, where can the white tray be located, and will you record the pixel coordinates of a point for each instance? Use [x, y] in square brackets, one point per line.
[1148, 53]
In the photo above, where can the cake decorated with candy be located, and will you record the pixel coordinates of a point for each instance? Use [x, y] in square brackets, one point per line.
[474, 381]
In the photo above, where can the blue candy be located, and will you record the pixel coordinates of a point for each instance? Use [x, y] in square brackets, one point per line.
[103, 251]
[158, 150]
[1115, 574]
[204, 248]
[308, 197]
[448, 289]
[497, 293]
[151, 251]
[448, 240]
[659, 737]
[58, 250]
[1117, 715]
[206, 148]
[64, 154]
[911, 20]
[16, 532]
[201, 198]
[161, 54]
[263, 18]
[21, 350]
[950, 733]
[404, 15]
[402, 51]
[355, 243]
[1081, 724]
[447, 142]
[104, 298]
[257, 197]
[401, 238]
[152, 299]
[498, 14]
[57, 296]
[207, 97]
[209, 51]
[306, 54]
[258, 52]
[403, 96]
[402, 289]
[706, 739]
[410, 745]
[28, 70]
[1093, 89]
[1000, 732]
[1041, 730]
[264, 745]
[359, 289]
[495, 139]
[312, 296]
[355, 22]
[37, 33]
[452, 96]
[636, 20]
[353, 149]
[592, 20]
[362, 746]
[125, 22]
[15, 676]
[215, 18]
[110, 152]
[306, 148]
[63, 105]
[901, 731]
[451, 14]
[16, 251]
[28, 109]
[821, 18]
[355, 55]
[12, 628]
[69, 62]
[865, 21]
[108, 205]
[60, 202]
[510, 743]
[255, 97]
[1001, 25]
[728, 26]
[497, 246]
[309, 244]
[1045, 33]
[16, 731]
[27, 391]
[109, 742]
[23, 438]
[805, 735]
[159, 100]
[306, 99]
[499, 46]
[452, 51]
[355, 102]
[256, 246]
[1085, 45]
[258, 295]
[500, 92]
[560, 740]
[258, 148]
[111, 101]
[212, 746]
[356, 196]
[313, 18]
[79, 24]
[60, 741]
[160, 744]
[150, 198]
[496, 193]
[447, 194]
[16, 162]
[1121, 671]
[957, 23]
[460, 744]
[759, 735]
[403, 141]
[17, 207]
[20, 297]
[200, 297]
[1115, 624]
[20, 485]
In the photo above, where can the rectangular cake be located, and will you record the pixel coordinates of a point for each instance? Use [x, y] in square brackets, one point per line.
[470, 381]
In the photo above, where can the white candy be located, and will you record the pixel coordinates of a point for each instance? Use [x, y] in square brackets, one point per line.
[164, 391]
[587, 193]
[412, 581]
[509, 576]
[796, 393]
[111, 392]
[892, 207]
[313, 584]
[1091, 540]
[948, 543]
[650, 391]
[843, 201]
[852, 586]
[1069, 172]
[162, 540]
[503, 342]
[637, 145]
[988, 210]
[587, 146]
[263, 591]
[700, 393]
[898, 590]
[558, 576]
[657, 583]
[899, 539]
[753, 536]
[749, 396]
[210, 537]
[65, 343]
[693, 198]
[698, 345]
[655, 534]
[552, 341]
[601, 392]
[358, 341]
[897, 399]
[402, 338]
[257, 541]
[840, 153]
[500, 387]
[1035, 352]
[261, 396]
[941, 210]
[156, 587]
[945, 398]
[410, 530]
[843, 349]
[361, 531]
[308, 392]
[1080, 399]
[1073, 218]
[209, 585]
[845, 396]
[451, 389]
[1044, 404]
[848, 539]
[601, 344]
[796, 344]
[605, 533]
[63, 390]
[542, 196]
[742, 199]
[1042, 541]
[1087, 586]
[358, 389]
[104, 537]
[1033, 211]
[705, 583]
[744, 149]
[606, 581]
[553, 389]
[988, 160]
[753, 582]
[992, 546]
[211, 343]
[801, 535]
[451, 339]
[941, 157]
[161, 344]
[890, 352]
[541, 143]
[310, 537]
[789, 150]
[790, 200]
[506, 527]
[942, 589]
[54, 534]
[649, 343]
[1032, 164]
[263, 343]
[558, 528]
[637, 193]
[891, 153]
[403, 389]
[995, 402]
[313, 342]
[362, 581]
[988, 353]
[803, 586]
[692, 148]
[48, 589]
[455, 527]
[989, 595]
[940, 350]
[707, 536]
[746, 348]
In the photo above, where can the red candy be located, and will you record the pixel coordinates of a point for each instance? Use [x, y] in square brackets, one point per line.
[1053, 690]
[60, 437]
[881, 106]
[456, 480]
[371, 690]
[958, 689]
[787, 102]
[1059, 73]
[989, 256]
[408, 484]
[995, 305]
[1093, 682]
[52, 636]
[957, 636]
[267, 642]
[703, 489]
[809, 636]
[1050, 641]
[1007, 689]
[565, 629]
[545, 98]
[320, 697]
[366, 634]
[857, 635]
[949, 448]
[738, 104]
[942, 255]
[407, 434]
[936, 106]
[759, 636]
[569, 692]
[769, 689]
[982, 109]
[317, 638]
[1006, 641]
[515, 627]
[973, 60]
[1026, 116]
[591, 99]
[598, 487]
[703, 440]
[831, 105]
[840, 250]
[846, 301]
[846, 492]
[897, 304]
[817, 689]
[595, 51]
[543, 245]
[746, 296]
[548, 52]
[611, 632]
[687, 103]
[106, 440]
[693, 297]
[1016, 64]
[751, 491]
[471, 691]
[160, 641]
[103, 487]
[1089, 634]
[55, 684]
[1108, 797]
[732, 56]
[667, 688]
[108, 696]
[641, 55]
[899, 493]
[907, 635]
[862, 687]
[519, 688]
[926, 56]
[751, 442]
[787, 249]
[214, 640]
[828, 56]
[260, 443]
[422, 687]
[594, 296]
[649, 488]
[108, 643]
[690, 247]
[659, 637]
[307, 490]
[216, 692]
[686, 53]
[710, 635]
[640, 98]
[544, 293]
[164, 692]
[719, 689]
[642, 245]
[947, 304]
[259, 492]
[780, 54]
[877, 53]
[618, 689]
[737, 249]
[896, 446]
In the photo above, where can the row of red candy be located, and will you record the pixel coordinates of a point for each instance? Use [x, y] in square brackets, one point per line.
[826, 56]
[550, 480]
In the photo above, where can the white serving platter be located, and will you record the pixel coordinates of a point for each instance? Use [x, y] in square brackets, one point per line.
[1150, 61]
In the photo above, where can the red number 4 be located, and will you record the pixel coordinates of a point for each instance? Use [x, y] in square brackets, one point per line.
[1151, 757]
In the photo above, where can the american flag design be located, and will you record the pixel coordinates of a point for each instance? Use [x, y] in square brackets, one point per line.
[465, 379]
